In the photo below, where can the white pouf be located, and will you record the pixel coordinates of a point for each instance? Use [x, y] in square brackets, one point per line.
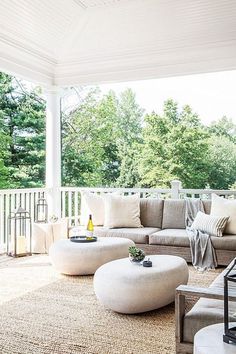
[44, 234]
[85, 258]
[209, 340]
[130, 288]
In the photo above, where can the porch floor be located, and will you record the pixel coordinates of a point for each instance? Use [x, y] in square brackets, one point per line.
[44, 312]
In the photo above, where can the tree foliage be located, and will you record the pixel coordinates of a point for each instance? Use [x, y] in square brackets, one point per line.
[175, 147]
[108, 141]
[22, 133]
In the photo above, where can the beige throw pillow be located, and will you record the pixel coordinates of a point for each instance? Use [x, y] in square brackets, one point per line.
[122, 211]
[92, 203]
[225, 207]
[211, 225]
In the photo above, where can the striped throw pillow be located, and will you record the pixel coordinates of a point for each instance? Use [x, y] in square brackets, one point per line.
[212, 225]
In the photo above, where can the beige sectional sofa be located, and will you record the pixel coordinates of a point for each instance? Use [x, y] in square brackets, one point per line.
[163, 231]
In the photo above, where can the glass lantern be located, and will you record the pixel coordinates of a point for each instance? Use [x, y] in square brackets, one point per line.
[229, 311]
[41, 211]
[19, 240]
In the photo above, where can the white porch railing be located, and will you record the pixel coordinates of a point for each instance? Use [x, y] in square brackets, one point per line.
[71, 196]
[10, 199]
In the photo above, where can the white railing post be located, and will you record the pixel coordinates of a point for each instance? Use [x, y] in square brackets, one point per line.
[175, 188]
[53, 150]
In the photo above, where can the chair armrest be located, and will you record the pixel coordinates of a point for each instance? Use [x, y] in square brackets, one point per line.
[210, 293]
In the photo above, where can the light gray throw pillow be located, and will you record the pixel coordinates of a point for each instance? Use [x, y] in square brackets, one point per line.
[212, 225]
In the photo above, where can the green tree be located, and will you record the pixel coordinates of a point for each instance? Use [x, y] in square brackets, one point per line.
[188, 150]
[224, 127]
[99, 138]
[221, 162]
[128, 138]
[175, 146]
[4, 154]
[222, 153]
[153, 162]
[22, 113]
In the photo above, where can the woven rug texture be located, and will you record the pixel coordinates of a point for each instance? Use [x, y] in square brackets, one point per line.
[43, 312]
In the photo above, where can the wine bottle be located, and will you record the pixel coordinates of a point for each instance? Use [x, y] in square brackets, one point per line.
[90, 227]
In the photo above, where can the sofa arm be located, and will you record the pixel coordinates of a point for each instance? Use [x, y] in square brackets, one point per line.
[210, 293]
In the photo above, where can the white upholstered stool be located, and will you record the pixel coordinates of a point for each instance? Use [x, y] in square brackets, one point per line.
[131, 288]
[85, 258]
[44, 234]
[209, 340]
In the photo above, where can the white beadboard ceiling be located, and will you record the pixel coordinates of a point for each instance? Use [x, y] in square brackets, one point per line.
[66, 42]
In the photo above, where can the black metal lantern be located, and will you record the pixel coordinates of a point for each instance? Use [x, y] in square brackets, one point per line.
[19, 240]
[229, 316]
[41, 211]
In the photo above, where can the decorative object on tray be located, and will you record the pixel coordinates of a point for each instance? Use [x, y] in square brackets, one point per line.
[229, 284]
[136, 255]
[147, 263]
[83, 239]
[90, 227]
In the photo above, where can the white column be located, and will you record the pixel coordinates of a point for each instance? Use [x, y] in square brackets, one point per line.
[53, 150]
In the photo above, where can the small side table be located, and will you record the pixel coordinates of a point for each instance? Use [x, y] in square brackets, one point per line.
[209, 340]
[45, 234]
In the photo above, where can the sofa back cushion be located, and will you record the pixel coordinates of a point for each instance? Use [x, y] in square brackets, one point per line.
[121, 211]
[207, 206]
[151, 211]
[174, 214]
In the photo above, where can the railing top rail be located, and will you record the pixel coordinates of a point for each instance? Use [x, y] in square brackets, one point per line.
[207, 191]
[22, 190]
[111, 189]
[148, 190]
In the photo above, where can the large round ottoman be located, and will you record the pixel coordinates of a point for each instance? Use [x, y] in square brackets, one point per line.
[130, 288]
[85, 258]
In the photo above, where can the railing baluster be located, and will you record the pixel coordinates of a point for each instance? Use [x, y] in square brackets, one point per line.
[76, 208]
[70, 206]
[2, 233]
[63, 204]
[7, 212]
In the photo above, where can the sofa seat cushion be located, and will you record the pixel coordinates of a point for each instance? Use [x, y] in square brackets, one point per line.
[170, 237]
[205, 313]
[179, 238]
[138, 235]
[227, 242]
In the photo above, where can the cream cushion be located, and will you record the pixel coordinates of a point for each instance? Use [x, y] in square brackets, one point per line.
[44, 234]
[92, 203]
[122, 211]
[213, 225]
[225, 207]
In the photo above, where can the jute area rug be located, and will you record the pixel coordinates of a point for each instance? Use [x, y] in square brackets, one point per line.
[43, 312]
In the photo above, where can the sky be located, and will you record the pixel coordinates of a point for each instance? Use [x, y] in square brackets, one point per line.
[210, 95]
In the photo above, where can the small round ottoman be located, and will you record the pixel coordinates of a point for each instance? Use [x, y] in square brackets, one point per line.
[209, 340]
[85, 258]
[130, 288]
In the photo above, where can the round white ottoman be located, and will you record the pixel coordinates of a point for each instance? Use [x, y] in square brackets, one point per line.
[85, 258]
[130, 288]
[209, 340]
